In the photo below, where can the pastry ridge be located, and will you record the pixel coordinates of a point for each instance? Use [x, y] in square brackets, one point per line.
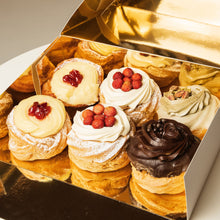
[26, 147]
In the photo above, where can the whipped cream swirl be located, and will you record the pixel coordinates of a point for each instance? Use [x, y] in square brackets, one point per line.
[196, 111]
[98, 145]
[130, 99]
[87, 132]
[199, 99]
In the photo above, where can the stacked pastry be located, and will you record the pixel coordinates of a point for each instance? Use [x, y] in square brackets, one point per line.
[97, 149]
[160, 153]
[132, 90]
[38, 128]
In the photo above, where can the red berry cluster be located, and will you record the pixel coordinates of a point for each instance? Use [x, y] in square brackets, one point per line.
[127, 80]
[40, 111]
[100, 116]
[74, 78]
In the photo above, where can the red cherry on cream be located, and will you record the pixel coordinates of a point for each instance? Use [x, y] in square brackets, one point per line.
[74, 78]
[40, 111]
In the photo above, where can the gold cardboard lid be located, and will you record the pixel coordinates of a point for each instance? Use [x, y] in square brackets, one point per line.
[176, 29]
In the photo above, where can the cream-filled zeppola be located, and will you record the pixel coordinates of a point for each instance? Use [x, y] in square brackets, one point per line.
[38, 128]
[98, 138]
[161, 69]
[193, 106]
[194, 74]
[107, 56]
[75, 82]
[132, 90]
[160, 153]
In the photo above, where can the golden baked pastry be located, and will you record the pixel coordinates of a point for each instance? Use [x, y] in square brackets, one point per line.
[57, 167]
[139, 98]
[107, 56]
[25, 81]
[193, 106]
[162, 70]
[6, 104]
[75, 82]
[4, 143]
[97, 146]
[38, 127]
[169, 205]
[4, 152]
[105, 183]
[160, 153]
[62, 48]
[194, 74]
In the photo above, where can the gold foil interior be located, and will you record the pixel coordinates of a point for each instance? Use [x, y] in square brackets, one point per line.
[151, 27]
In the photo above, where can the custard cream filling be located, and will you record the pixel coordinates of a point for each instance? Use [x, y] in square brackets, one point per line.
[132, 98]
[110, 134]
[138, 60]
[87, 90]
[50, 125]
[195, 111]
[102, 49]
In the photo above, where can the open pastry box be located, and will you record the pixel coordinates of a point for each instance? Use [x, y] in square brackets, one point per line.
[114, 34]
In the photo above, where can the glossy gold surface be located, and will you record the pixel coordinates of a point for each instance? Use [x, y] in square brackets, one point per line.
[173, 29]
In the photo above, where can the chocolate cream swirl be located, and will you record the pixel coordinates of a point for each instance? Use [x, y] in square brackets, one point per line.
[163, 148]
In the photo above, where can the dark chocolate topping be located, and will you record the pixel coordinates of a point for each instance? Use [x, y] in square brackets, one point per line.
[162, 148]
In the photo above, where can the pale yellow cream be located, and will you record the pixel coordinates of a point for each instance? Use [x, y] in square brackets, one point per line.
[50, 125]
[102, 49]
[87, 90]
[138, 60]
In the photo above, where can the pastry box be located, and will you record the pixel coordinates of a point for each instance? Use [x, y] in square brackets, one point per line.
[123, 104]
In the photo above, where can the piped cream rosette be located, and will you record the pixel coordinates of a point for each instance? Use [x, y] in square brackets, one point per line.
[139, 104]
[87, 91]
[161, 69]
[31, 138]
[99, 150]
[196, 111]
